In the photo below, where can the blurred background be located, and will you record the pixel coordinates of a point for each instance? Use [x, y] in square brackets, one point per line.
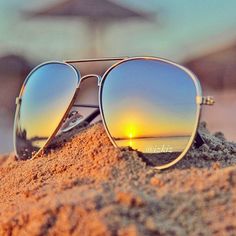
[198, 34]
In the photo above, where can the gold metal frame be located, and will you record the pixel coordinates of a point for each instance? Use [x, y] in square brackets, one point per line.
[198, 92]
[200, 100]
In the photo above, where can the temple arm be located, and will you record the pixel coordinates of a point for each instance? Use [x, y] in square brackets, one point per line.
[88, 119]
[198, 139]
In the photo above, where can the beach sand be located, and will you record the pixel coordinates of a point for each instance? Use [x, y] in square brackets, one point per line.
[85, 186]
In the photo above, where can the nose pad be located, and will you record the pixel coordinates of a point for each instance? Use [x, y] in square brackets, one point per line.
[74, 119]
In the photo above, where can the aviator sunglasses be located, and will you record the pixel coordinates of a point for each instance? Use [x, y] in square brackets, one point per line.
[149, 104]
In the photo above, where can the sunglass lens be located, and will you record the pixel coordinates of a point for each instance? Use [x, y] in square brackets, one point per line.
[150, 105]
[44, 100]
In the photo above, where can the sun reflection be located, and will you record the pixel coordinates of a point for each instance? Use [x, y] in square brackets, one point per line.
[131, 143]
[131, 131]
[131, 134]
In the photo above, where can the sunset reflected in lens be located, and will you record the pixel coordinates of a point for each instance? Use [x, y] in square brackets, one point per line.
[45, 99]
[150, 105]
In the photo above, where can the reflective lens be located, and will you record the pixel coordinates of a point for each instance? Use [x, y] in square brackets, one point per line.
[150, 105]
[44, 100]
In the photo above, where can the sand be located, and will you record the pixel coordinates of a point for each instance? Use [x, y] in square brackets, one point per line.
[85, 186]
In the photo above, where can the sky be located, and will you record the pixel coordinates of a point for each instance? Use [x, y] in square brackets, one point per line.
[152, 107]
[183, 29]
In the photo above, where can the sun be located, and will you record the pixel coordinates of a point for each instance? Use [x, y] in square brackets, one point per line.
[131, 131]
[131, 135]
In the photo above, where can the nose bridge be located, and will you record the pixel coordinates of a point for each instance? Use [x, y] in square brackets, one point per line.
[91, 76]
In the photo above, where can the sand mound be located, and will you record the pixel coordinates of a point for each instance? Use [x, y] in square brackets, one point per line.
[85, 186]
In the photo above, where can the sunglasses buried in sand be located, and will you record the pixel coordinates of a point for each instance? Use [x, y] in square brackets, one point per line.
[150, 104]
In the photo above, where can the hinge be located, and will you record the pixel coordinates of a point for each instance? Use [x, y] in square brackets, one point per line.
[208, 100]
[18, 100]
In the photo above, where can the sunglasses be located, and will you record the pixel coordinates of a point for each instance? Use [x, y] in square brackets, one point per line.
[149, 104]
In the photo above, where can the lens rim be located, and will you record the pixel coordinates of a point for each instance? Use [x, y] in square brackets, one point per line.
[78, 76]
[198, 105]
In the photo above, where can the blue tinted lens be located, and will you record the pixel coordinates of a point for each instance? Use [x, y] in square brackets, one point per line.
[150, 105]
[45, 98]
